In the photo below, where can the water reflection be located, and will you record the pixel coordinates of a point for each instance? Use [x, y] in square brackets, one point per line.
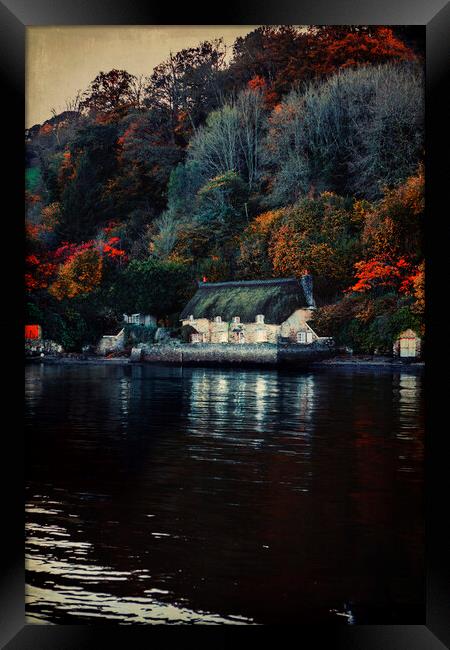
[223, 496]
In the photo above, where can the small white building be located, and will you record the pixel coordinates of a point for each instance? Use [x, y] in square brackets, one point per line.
[140, 319]
[408, 345]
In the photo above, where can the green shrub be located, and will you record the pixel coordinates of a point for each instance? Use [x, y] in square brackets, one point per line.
[138, 334]
[366, 324]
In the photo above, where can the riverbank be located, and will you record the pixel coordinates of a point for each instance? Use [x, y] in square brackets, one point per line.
[348, 362]
[362, 361]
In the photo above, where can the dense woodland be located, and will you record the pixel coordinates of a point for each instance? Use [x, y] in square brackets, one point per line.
[299, 149]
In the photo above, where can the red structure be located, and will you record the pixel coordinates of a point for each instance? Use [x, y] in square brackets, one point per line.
[32, 331]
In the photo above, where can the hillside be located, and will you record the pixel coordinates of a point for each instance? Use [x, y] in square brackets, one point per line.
[303, 151]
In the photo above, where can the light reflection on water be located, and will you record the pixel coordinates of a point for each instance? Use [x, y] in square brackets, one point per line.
[169, 495]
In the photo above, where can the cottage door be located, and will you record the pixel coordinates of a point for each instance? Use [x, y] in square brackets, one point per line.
[407, 347]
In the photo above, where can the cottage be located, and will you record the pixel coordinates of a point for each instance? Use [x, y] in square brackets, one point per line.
[251, 311]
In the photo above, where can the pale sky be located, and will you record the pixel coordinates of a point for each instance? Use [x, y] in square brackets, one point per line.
[62, 60]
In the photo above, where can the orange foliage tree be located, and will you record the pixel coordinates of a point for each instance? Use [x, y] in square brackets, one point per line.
[418, 282]
[393, 226]
[81, 266]
[392, 239]
[80, 274]
[321, 235]
[254, 261]
[291, 253]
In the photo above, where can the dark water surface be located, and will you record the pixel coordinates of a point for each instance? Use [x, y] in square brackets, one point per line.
[169, 495]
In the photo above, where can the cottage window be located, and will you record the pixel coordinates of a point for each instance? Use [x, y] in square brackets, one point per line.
[301, 337]
[218, 319]
[260, 318]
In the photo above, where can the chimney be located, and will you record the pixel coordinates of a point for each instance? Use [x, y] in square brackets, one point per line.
[307, 285]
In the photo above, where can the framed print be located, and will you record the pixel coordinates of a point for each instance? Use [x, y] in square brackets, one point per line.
[232, 249]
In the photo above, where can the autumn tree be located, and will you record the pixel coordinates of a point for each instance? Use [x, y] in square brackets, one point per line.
[146, 158]
[87, 201]
[184, 183]
[186, 86]
[321, 235]
[81, 273]
[357, 132]
[153, 286]
[263, 54]
[232, 139]
[380, 275]
[337, 47]
[254, 260]
[393, 227]
[365, 324]
[215, 148]
[219, 212]
[39, 271]
[285, 56]
[164, 235]
[110, 92]
[419, 290]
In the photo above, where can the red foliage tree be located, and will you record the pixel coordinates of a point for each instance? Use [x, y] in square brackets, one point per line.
[282, 56]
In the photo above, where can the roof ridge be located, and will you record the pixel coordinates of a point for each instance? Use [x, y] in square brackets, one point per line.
[235, 283]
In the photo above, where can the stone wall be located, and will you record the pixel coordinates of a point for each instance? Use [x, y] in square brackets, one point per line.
[42, 346]
[263, 354]
[111, 343]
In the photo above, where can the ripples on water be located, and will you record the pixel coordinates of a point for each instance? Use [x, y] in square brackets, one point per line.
[169, 495]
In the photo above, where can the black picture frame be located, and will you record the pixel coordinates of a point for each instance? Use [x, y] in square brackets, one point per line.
[15, 16]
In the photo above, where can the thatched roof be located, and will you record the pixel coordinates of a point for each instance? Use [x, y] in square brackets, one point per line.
[276, 299]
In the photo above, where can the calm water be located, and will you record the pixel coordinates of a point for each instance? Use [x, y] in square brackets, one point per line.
[168, 495]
